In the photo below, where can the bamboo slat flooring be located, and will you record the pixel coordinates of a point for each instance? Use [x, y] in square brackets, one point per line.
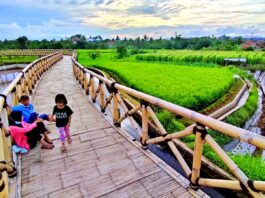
[101, 161]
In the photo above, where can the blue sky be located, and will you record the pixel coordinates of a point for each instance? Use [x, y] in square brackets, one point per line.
[48, 19]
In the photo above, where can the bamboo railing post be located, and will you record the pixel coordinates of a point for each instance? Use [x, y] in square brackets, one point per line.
[6, 138]
[83, 78]
[144, 136]
[125, 109]
[116, 111]
[33, 76]
[232, 166]
[200, 132]
[19, 90]
[86, 87]
[80, 75]
[25, 89]
[92, 89]
[171, 145]
[101, 96]
[29, 82]
[14, 96]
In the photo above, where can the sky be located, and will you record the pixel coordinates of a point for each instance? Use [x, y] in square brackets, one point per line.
[56, 19]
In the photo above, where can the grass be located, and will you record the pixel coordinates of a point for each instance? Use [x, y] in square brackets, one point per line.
[7, 60]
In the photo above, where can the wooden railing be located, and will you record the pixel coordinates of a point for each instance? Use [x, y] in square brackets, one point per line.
[23, 84]
[34, 52]
[108, 94]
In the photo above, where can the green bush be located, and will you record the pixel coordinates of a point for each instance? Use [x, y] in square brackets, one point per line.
[93, 54]
[121, 52]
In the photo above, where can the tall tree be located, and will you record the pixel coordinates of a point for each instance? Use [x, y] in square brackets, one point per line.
[21, 42]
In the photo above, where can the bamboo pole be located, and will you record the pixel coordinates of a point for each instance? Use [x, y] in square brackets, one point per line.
[125, 109]
[171, 145]
[230, 164]
[14, 97]
[260, 185]
[179, 157]
[92, 90]
[116, 112]
[29, 82]
[101, 97]
[197, 157]
[2, 158]
[156, 121]
[82, 78]
[172, 136]
[129, 113]
[219, 183]
[108, 101]
[86, 83]
[144, 127]
[19, 90]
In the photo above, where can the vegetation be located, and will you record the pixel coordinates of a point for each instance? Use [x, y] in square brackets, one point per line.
[7, 60]
[93, 54]
[121, 52]
[79, 41]
[184, 85]
[202, 56]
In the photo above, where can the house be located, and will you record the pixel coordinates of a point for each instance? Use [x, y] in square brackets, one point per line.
[249, 44]
[76, 39]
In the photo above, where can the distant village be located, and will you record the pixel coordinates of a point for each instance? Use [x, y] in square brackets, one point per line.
[255, 44]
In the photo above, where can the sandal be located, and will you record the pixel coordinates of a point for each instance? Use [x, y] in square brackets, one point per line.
[49, 146]
[63, 149]
[69, 140]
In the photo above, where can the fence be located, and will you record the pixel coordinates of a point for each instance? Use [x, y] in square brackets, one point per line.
[23, 84]
[109, 92]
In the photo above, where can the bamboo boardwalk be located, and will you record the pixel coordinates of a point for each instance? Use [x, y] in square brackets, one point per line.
[102, 161]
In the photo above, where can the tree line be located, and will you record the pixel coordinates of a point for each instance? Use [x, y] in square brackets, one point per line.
[81, 42]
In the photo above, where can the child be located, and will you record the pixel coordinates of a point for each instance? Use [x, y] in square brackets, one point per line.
[62, 113]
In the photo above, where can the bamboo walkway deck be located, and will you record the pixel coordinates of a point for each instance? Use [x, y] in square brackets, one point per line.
[101, 162]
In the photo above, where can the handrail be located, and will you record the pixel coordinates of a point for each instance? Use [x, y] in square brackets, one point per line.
[86, 79]
[32, 52]
[23, 84]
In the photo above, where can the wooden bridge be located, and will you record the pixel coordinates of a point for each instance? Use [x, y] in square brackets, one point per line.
[104, 160]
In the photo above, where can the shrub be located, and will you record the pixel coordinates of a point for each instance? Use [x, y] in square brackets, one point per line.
[122, 52]
[93, 54]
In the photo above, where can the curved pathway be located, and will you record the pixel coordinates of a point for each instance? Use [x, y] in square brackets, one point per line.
[101, 162]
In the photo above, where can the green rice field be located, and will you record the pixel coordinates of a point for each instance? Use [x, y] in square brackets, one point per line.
[257, 57]
[194, 87]
[7, 60]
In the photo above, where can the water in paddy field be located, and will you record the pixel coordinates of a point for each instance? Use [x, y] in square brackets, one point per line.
[7, 76]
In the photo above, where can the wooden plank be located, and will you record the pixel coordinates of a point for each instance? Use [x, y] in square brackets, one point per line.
[72, 191]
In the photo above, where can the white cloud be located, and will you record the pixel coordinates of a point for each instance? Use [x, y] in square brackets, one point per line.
[204, 17]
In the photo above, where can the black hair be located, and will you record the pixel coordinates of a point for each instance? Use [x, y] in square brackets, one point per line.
[24, 97]
[15, 118]
[60, 98]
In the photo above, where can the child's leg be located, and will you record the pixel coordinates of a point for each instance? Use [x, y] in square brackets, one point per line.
[62, 135]
[62, 138]
[67, 132]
